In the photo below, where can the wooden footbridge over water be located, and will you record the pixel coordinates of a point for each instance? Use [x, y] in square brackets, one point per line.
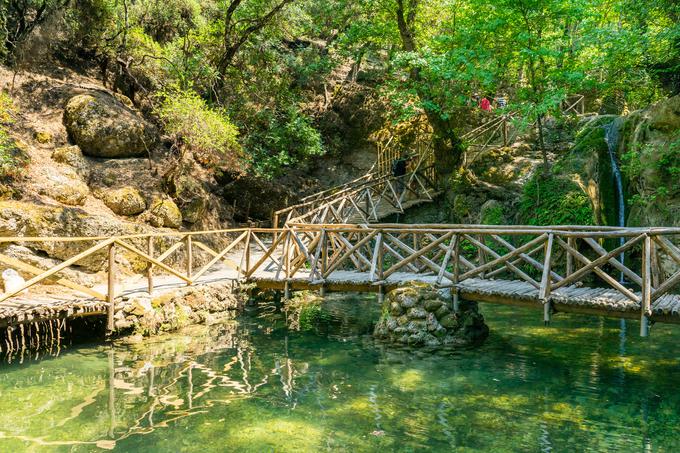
[556, 269]
[333, 241]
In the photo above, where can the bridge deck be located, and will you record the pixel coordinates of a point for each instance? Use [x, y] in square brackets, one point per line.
[572, 299]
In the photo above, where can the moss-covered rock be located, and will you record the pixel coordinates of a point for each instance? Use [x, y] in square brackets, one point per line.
[163, 213]
[63, 185]
[492, 213]
[428, 321]
[124, 201]
[28, 219]
[103, 127]
[73, 156]
[42, 137]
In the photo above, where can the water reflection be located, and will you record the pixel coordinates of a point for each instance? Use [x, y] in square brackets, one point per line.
[257, 385]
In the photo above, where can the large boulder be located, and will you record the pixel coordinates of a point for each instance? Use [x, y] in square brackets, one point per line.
[419, 315]
[124, 201]
[64, 185]
[103, 127]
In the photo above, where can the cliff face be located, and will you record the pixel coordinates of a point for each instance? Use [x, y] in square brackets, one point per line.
[650, 151]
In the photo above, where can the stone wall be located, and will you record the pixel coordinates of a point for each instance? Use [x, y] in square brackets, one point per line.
[417, 314]
[172, 310]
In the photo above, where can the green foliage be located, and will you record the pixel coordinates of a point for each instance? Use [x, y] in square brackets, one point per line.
[13, 159]
[662, 163]
[205, 132]
[281, 139]
[493, 216]
[554, 201]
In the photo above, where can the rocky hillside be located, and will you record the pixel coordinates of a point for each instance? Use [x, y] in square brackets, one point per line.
[79, 160]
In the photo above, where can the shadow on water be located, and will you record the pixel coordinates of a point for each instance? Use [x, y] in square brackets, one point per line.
[264, 383]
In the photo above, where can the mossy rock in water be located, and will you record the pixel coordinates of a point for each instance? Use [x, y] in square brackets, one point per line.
[124, 201]
[428, 321]
[104, 127]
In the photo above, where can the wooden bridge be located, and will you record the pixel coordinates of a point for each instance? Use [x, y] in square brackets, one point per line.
[555, 269]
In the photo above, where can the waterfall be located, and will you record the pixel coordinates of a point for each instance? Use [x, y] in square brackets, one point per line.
[611, 137]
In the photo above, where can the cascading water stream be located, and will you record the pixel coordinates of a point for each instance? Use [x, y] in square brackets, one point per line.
[612, 139]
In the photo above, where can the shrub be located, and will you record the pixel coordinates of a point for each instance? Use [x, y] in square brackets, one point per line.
[205, 132]
[280, 139]
[554, 201]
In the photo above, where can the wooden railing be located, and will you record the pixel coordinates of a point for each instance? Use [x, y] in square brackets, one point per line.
[547, 259]
[364, 201]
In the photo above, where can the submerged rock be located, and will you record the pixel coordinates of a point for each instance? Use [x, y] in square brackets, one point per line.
[429, 322]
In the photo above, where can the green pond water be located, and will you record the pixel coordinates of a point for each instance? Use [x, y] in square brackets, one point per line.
[320, 383]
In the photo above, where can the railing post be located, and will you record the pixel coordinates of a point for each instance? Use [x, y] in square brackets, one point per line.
[571, 242]
[544, 290]
[111, 290]
[189, 256]
[505, 131]
[286, 264]
[481, 255]
[646, 297]
[456, 274]
[149, 271]
[247, 253]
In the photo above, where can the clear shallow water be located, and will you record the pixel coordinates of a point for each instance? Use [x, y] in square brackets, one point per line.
[255, 385]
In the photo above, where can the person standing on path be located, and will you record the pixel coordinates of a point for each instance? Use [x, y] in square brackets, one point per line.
[485, 104]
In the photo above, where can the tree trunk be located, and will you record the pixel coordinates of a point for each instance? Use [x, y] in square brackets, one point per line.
[448, 148]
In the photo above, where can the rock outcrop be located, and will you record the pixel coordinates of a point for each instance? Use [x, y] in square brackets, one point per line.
[103, 127]
[27, 219]
[73, 156]
[124, 201]
[163, 213]
[63, 185]
[419, 315]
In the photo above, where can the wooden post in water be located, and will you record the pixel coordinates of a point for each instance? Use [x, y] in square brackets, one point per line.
[149, 271]
[112, 392]
[111, 291]
[189, 256]
[544, 290]
[646, 297]
[456, 274]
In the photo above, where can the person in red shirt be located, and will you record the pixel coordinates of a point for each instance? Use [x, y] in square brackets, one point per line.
[485, 105]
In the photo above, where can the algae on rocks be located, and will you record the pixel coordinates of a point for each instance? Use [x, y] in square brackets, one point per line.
[419, 315]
